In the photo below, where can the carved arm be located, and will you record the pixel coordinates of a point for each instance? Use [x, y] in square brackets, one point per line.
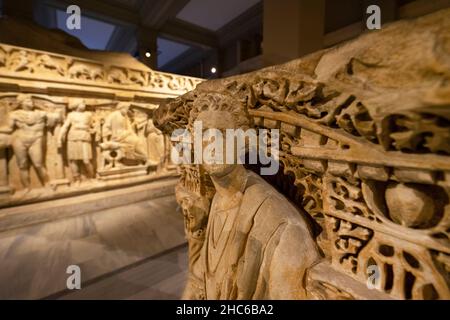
[9, 127]
[63, 132]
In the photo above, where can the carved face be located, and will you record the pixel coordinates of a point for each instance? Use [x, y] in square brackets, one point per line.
[195, 210]
[214, 155]
[214, 160]
[124, 108]
[218, 170]
[81, 106]
[27, 104]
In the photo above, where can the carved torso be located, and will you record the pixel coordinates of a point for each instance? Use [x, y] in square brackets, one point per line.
[29, 123]
[117, 126]
[80, 126]
[248, 248]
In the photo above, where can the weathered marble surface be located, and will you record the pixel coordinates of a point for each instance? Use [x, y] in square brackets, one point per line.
[20, 216]
[70, 124]
[364, 152]
[84, 119]
[33, 259]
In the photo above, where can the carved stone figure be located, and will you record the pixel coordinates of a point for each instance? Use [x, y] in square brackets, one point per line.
[256, 245]
[27, 140]
[117, 75]
[78, 128]
[84, 71]
[46, 62]
[372, 170]
[127, 148]
[19, 61]
[136, 77]
[155, 140]
[195, 209]
[119, 134]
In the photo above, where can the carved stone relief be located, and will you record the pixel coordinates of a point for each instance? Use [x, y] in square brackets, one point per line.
[236, 237]
[39, 64]
[364, 151]
[69, 125]
[49, 143]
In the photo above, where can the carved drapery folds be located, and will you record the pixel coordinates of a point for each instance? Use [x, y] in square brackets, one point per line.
[365, 140]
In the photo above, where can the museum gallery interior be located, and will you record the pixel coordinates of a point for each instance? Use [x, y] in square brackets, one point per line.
[225, 150]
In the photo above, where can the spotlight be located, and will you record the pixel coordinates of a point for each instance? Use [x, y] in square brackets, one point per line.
[213, 70]
[148, 54]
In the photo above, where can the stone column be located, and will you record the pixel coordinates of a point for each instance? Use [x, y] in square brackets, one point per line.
[291, 29]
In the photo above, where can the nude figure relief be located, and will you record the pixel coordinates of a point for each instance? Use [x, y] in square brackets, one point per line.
[26, 126]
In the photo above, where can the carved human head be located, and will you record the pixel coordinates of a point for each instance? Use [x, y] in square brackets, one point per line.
[218, 111]
[25, 101]
[123, 107]
[78, 105]
[195, 209]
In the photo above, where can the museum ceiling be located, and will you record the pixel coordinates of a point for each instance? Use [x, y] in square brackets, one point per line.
[187, 31]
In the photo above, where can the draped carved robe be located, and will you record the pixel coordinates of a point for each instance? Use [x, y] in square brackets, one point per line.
[258, 250]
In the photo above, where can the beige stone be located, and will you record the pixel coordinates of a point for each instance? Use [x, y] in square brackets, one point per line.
[79, 129]
[85, 177]
[365, 156]
[70, 131]
[409, 206]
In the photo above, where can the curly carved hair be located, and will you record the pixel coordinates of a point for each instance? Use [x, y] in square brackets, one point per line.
[182, 112]
[220, 102]
[21, 97]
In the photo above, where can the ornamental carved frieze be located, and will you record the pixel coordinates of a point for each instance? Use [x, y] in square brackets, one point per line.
[32, 64]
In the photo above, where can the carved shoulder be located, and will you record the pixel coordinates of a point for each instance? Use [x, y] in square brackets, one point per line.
[272, 203]
[294, 254]
[15, 115]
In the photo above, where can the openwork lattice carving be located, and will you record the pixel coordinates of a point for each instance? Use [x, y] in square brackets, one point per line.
[365, 136]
